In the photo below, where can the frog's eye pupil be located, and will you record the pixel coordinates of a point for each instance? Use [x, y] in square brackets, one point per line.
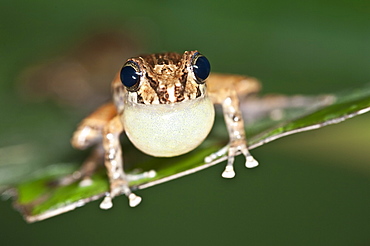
[129, 76]
[201, 68]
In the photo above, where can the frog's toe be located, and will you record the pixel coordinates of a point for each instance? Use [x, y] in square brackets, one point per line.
[106, 203]
[118, 187]
[134, 200]
[229, 172]
[250, 162]
[85, 182]
[216, 155]
[139, 176]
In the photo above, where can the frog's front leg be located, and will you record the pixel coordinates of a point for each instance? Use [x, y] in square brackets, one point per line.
[224, 89]
[114, 164]
[235, 126]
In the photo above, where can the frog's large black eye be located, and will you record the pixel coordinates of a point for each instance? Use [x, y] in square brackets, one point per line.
[130, 76]
[201, 67]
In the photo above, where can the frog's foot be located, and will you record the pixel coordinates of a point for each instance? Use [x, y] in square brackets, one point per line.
[86, 181]
[77, 176]
[84, 173]
[229, 170]
[235, 149]
[214, 156]
[232, 150]
[144, 175]
[134, 200]
[120, 186]
[250, 162]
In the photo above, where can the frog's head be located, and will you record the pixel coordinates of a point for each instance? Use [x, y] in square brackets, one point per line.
[162, 102]
[164, 78]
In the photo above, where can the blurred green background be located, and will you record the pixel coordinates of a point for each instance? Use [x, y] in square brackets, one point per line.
[310, 189]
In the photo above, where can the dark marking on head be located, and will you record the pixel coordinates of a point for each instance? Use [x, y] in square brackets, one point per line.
[179, 93]
[153, 83]
[140, 99]
[167, 78]
[162, 59]
[199, 93]
[162, 94]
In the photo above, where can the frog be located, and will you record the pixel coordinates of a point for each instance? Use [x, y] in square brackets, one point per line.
[165, 104]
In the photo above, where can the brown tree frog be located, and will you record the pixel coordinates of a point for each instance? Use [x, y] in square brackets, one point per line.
[164, 104]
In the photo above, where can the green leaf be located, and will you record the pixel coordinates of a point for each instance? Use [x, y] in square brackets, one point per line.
[40, 196]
